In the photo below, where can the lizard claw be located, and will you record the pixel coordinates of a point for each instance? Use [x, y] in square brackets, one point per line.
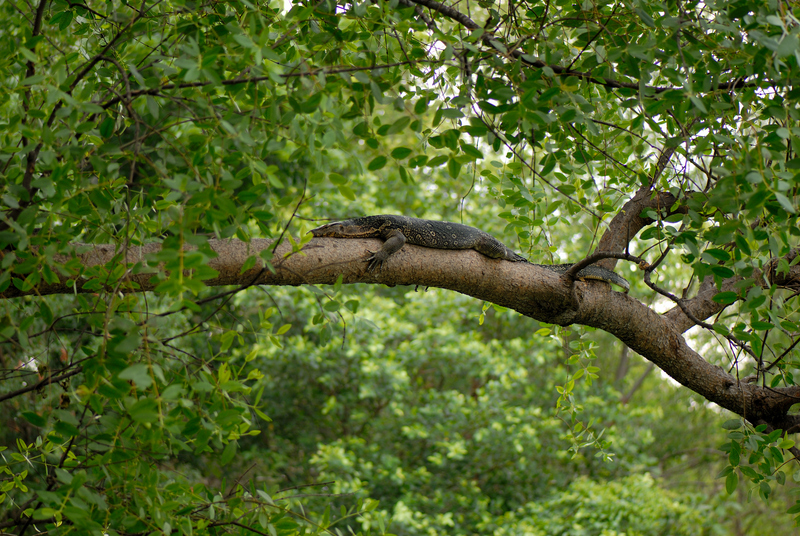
[376, 259]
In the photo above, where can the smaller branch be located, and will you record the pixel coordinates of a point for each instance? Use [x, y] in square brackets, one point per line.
[489, 40]
[30, 159]
[421, 14]
[595, 36]
[232, 489]
[294, 214]
[516, 153]
[38, 385]
[682, 304]
[780, 357]
[702, 304]
[600, 149]
[449, 12]
[313, 485]
[255, 79]
[100, 55]
[87, 8]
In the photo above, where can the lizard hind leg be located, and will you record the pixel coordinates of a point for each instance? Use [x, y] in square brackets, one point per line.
[495, 249]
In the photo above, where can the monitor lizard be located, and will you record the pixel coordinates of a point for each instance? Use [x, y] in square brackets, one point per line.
[396, 231]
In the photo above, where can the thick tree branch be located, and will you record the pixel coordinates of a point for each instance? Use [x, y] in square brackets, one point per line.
[630, 220]
[627, 224]
[533, 291]
[421, 14]
[790, 279]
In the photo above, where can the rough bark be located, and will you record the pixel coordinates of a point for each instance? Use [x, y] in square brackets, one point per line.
[630, 220]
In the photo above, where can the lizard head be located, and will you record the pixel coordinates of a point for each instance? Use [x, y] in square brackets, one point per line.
[344, 229]
[353, 228]
[329, 229]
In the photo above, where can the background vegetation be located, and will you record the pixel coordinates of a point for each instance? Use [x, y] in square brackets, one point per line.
[278, 410]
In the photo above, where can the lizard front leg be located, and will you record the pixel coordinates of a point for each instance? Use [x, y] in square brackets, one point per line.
[395, 240]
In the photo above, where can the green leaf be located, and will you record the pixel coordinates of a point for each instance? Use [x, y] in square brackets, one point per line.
[725, 297]
[452, 113]
[45, 311]
[32, 80]
[107, 127]
[65, 429]
[399, 125]
[437, 160]
[34, 418]
[646, 18]
[732, 424]
[399, 153]
[228, 453]
[138, 374]
[785, 203]
[471, 150]
[699, 104]
[128, 344]
[144, 410]
[347, 192]
[311, 104]
[453, 168]
[764, 490]
[719, 254]
[377, 163]
[731, 481]
[248, 263]
[788, 46]
[749, 472]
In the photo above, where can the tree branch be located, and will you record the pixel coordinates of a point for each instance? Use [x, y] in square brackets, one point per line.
[256, 79]
[531, 290]
[42, 383]
[629, 221]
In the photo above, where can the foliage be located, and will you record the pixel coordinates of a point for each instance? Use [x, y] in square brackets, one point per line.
[464, 435]
[632, 506]
[135, 454]
[175, 121]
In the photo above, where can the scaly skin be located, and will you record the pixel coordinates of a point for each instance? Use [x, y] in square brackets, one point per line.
[396, 231]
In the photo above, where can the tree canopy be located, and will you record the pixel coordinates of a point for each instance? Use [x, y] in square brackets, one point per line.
[152, 152]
